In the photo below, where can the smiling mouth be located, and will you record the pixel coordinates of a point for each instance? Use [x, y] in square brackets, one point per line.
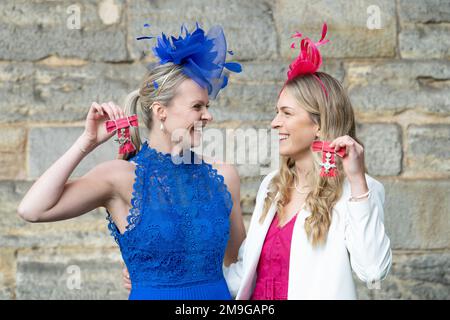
[283, 136]
[197, 129]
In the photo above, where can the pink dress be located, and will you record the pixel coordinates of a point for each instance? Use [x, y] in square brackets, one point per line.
[273, 267]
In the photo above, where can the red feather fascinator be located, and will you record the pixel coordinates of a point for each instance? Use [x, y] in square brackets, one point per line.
[309, 59]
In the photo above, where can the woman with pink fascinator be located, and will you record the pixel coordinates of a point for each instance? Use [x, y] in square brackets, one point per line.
[319, 216]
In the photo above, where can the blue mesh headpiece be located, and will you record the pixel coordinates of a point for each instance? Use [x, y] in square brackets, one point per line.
[202, 56]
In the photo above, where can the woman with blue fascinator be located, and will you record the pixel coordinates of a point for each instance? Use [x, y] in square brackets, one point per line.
[175, 216]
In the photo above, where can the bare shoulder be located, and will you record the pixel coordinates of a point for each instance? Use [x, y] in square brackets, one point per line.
[228, 171]
[113, 169]
[118, 174]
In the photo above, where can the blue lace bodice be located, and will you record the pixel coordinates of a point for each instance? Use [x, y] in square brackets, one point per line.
[178, 225]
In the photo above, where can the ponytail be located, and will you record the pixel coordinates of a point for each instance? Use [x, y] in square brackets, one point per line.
[170, 76]
[130, 109]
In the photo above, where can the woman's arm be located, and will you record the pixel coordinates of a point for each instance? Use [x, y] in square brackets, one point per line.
[233, 261]
[52, 197]
[234, 272]
[237, 228]
[365, 236]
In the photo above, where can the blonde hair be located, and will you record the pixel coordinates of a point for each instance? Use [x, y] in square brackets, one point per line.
[167, 77]
[335, 117]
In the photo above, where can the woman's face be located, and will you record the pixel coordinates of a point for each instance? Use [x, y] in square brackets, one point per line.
[188, 114]
[295, 127]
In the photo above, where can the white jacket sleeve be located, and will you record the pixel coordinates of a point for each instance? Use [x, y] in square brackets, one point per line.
[365, 236]
[234, 272]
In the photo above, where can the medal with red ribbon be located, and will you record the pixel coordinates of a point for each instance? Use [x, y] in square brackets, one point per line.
[122, 126]
[328, 164]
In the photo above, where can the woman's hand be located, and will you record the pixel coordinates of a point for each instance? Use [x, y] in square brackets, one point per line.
[126, 278]
[95, 131]
[353, 160]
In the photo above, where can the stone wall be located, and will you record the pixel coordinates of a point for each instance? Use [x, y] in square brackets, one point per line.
[397, 74]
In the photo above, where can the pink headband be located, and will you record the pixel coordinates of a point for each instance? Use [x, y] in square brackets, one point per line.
[309, 59]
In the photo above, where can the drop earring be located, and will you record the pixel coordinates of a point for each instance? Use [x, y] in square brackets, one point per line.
[161, 127]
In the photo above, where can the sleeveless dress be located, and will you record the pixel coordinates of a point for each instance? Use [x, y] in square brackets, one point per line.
[178, 229]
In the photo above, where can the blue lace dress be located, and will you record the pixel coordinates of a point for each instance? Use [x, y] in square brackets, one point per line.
[177, 231]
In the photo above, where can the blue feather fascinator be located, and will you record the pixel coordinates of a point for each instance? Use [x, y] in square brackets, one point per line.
[201, 55]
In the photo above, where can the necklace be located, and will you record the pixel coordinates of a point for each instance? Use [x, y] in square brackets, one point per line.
[298, 189]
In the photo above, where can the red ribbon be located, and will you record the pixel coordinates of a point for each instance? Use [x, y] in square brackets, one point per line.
[328, 164]
[122, 126]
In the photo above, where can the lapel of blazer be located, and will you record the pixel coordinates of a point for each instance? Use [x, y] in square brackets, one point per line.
[253, 249]
[259, 236]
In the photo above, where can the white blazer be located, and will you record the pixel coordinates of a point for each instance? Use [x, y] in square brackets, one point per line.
[356, 240]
